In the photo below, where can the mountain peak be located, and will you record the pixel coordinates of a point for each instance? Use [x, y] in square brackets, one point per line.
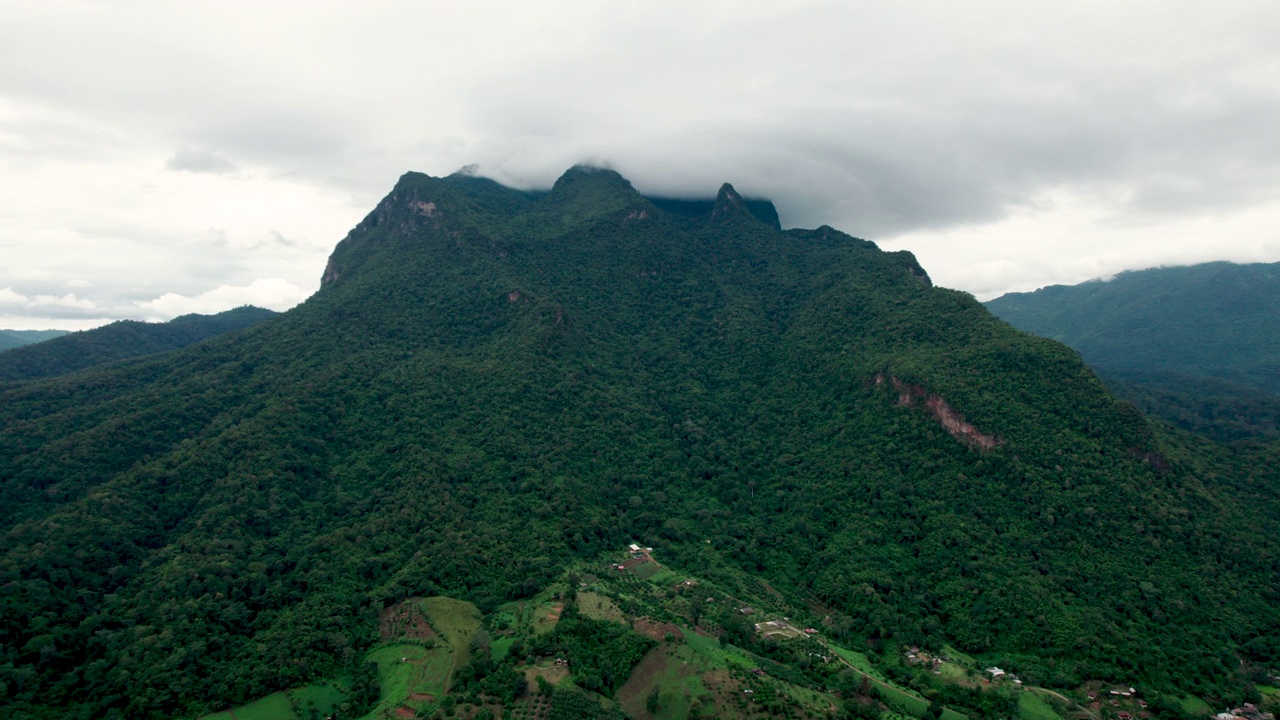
[583, 176]
[728, 195]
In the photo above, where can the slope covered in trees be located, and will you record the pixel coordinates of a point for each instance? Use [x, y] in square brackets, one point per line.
[1218, 320]
[17, 338]
[491, 383]
[120, 340]
[1198, 346]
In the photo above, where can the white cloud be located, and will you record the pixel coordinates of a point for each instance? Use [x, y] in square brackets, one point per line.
[271, 293]
[10, 299]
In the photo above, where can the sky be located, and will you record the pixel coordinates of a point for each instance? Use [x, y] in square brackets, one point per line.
[161, 158]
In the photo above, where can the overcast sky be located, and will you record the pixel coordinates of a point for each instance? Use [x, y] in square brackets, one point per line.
[158, 158]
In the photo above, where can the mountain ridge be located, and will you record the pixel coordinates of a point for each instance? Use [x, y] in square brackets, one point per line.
[120, 340]
[1213, 319]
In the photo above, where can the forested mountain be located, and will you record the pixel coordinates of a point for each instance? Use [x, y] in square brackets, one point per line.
[492, 385]
[1218, 320]
[18, 338]
[120, 340]
[1197, 345]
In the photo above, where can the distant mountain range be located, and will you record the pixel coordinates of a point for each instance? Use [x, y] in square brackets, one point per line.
[17, 338]
[1198, 345]
[67, 352]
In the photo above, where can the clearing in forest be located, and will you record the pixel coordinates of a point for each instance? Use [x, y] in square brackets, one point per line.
[671, 671]
[1033, 707]
[547, 669]
[457, 621]
[405, 620]
[658, 631]
[546, 616]
[410, 675]
[279, 705]
[599, 607]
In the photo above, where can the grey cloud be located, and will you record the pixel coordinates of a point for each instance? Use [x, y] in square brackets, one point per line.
[276, 238]
[886, 119]
[198, 161]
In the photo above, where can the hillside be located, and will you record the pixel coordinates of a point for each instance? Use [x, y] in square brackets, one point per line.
[1197, 346]
[68, 352]
[493, 386]
[1216, 320]
[17, 338]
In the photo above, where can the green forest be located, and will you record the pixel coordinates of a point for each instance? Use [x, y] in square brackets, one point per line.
[62, 353]
[492, 386]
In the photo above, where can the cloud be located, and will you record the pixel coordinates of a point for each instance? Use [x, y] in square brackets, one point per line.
[198, 161]
[1008, 145]
[11, 299]
[271, 293]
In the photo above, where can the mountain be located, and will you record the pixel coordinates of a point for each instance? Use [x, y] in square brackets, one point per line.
[18, 338]
[1198, 346]
[1217, 320]
[493, 390]
[120, 340]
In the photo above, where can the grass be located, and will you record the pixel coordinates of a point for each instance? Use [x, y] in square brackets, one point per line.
[499, 648]
[456, 620]
[404, 669]
[1195, 706]
[952, 672]
[898, 698]
[673, 673]
[599, 607]
[542, 622]
[664, 577]
[858, 660]
[709, 648]
[644, 571]
[1033, 707]
[807, 698]
[279, 705]
[323, 695]
[272, 707]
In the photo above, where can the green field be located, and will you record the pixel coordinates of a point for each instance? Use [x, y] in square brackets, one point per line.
[599, 607]
[406, 669]
[1195, 706]
[272, 707]
[709, 648]
[279, 705]
[672, 672]
[644, 571]
[859, 661]
[664, 577]
[1033, 707]
[898, 698]
[499, 648]
[457, 621]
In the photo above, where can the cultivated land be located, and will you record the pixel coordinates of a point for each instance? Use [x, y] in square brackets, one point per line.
[706, 659]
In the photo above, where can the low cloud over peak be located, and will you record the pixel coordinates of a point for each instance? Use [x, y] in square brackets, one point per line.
[1009, 146]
